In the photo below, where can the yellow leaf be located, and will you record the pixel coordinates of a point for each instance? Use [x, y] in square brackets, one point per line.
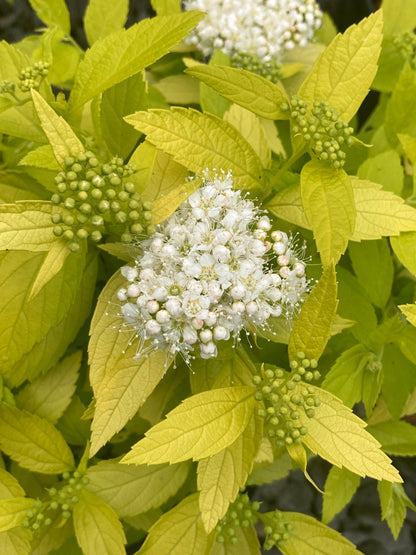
[404, 247]
[338, 435]
[179, 89]
[287, 205]
[409, 310]
[199, 141]
[343, 73]
[379, 213]
[298, 455]
[13, 512]
[57, 254]
[199, 427]
[166, 175]
[166, 204]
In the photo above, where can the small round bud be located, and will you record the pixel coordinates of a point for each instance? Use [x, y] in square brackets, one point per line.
[96, 236]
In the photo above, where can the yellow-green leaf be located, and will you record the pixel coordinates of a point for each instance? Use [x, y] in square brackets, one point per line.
[251, 91]
[16, 542]
[221, 476]
[199, 427]
[287, 205]
[277, 470]
[33, 442]
[247, 543]
[328, 201]
[179, 89]
[62, 139]
[179, 532]
[379, 213]
[97, 527]
[103, 18]
[299, 457]
[400, 110]
[121, 383]
[119, 484]
[52, 264]
[338, 435]
[13, 512]
[311, 537]
[398, 21]
[312, 329]
[397, 437]
[49, 395]
[343, 73]
[166, 175]
[166, 204]
[53, 13]
[127, 52]
[409, 310]
[199, 141]
[9, 486]
[340, 486]
[404, 248]
[394, 501]
[166, 7]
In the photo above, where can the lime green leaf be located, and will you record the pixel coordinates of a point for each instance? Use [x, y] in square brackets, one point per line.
[277, 470]
[102, 19]
[179, 532]
[385, 168]
[41, 157]
[166, 204]
[62, 139]
[9, 486]
[178, 89]
[299, 457]
[200, 427]
[401, 111]
[312, 329]
[338, 435]
[251, 91]
[16, 542]
[393, 501]
[328, 201]
[248, 124]
[247, 543]
[118, 485]
[125, 53]
[33, 442]
[343, 73]
[97, 527]
[52, 264]
[379, 213]
[399, 379]
[221, 476]
[166, 175]
[49, 395]
[396, 437]
[409, 310]
[340, 486]
[404, 248]
[198, 140]
[345, 377]
[409, 145]
[264, 455]
[166, 7]
[210, 100]
[373, 266]
[72, 425]
[13, 512]
[120, 383]
[53, 13]
[287, 205]
[398, 21]
[27, 225]
[311, 537]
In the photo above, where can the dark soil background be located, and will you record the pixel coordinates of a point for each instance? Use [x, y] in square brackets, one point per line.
[360, 520]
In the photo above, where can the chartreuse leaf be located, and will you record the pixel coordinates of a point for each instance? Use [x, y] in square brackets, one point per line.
[102, 19]
[287, 205]
[247, 543]
[52, 265]
[127, 52]
[97, 528]
[343, 73]
[178, 89]
[27, 225]
[200, 427]
[221, 476]
[166, 204]
[166, 176]
[9, 486]
[33, 442]
[384, 168]
[277, 470]
[312, 329]
[311, 537]
[179, 532]
[118, 485]
[409, 310]
[340, 486]
[13, 511]
[345, 377]
[198, 140]
[15, 541]
[299, 457]
[49, 395]
[251, 91]
[396, 437]
[399, 379]
[393, 501]
[166, 7]
[398, 21]
[53, 13]
[62, 139]
[338, 435]
[209, 99]
[401, 111]
[120, 383]
[328, 201]
[41, 157]
[404, 248]
[379, 213]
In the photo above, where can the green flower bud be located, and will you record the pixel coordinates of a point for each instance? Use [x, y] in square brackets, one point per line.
[96, 236]
[104, 206]
[61, 187]
[82, 233]
[98, 181]
[136, 229]
[121, 217]
[123, 196]
[82, 218]
[97, 220]
[115, 181]
[151, 229]
[69, 203]
[74, 247]
[69, 220]
[110, 194]
[76, 167]
[93, 162]
[66, 514]
[68, 234]
[134, 215]
[147, 216]
[115, 206]
[47, 522]
[84, 185]
[69, 161]
[55, 198]
[86, 208]
[82, 195]
[147, 205]
[71, 176]
[54, 505]
[310, 413]
[126, 238]
[130, 187]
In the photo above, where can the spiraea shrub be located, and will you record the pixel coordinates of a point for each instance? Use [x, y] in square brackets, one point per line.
[207, 273]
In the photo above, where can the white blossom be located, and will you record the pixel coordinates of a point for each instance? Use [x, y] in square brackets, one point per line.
[185, 295]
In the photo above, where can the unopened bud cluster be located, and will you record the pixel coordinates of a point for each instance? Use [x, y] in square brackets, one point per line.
[100, 202]
[31, 77]
[213, 268]
[276, 530]
[263, 30]
[406, 44]
[283, 396]
[271, 70]
[60, 502]
[320, 127]
[240, 514]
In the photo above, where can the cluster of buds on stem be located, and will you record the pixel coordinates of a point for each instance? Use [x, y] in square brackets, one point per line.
[31, 77]
[271, 70]
[241, 513]
[276, 530]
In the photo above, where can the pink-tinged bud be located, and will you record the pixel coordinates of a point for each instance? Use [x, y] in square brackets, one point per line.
[152, 327]
[283, 260]
[205, 335]
[197, 323]
[279, 248]
[208, 350]
[152, 306]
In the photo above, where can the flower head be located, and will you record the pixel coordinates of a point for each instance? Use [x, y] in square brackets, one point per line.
[210, 270]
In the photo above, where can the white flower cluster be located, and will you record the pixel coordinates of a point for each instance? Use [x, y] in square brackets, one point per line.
[207, 272]
[263, 29]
